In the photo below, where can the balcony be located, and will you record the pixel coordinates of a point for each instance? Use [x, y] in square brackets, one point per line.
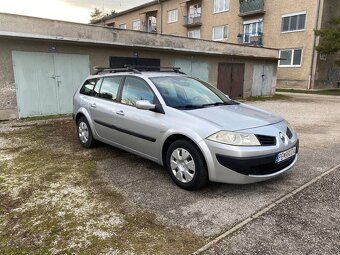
[150, 28]
[192, 21]
[251, 39]
[251, 7]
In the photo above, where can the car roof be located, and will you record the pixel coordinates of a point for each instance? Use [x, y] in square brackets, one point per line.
[146, 74]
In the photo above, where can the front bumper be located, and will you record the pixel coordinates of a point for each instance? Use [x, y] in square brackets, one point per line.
[258, 165]
[242, 165]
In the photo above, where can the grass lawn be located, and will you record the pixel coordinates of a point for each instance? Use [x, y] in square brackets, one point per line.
[328, 92]
[54, 202]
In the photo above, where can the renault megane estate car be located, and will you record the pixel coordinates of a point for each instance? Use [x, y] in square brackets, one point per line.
[198, 133]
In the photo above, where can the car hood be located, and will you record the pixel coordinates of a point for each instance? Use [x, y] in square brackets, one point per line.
[235, 117]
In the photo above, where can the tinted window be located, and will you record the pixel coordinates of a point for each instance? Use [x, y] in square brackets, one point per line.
[136, 89]
[88, 86]
[109, 88]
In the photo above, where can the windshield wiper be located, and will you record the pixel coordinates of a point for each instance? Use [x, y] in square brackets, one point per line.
[214, 104]
[220, 103]
[188, 106]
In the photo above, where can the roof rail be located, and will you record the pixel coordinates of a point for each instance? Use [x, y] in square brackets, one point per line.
[156, 68]
[99, 70]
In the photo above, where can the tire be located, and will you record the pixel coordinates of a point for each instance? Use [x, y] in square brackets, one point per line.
[186, 165]
[85, 133]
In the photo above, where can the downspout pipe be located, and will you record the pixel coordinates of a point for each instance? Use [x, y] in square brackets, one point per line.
[310, 77]
[161, 10]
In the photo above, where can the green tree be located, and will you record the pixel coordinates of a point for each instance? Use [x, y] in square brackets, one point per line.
[96, 14]
[330, 38]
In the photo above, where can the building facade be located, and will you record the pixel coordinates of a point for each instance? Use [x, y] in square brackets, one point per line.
[285, 25]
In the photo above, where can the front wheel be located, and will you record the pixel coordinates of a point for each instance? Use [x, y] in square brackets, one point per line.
[186, 165]
[85, 133]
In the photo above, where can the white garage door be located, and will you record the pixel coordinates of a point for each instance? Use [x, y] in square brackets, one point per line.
[262, 80]
[46, 82]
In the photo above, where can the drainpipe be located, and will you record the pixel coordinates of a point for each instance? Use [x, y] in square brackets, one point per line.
[310, 77]
[161, 10]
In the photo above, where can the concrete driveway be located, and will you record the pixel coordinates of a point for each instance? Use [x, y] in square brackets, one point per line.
[216, 209]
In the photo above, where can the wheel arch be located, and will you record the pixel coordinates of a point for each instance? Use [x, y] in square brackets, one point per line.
[82, 112]
[177, 136]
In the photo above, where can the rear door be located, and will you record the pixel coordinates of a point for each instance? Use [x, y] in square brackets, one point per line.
[103, 106]
[140, 130]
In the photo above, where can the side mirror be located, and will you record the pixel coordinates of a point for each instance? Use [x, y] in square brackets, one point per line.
[227, 96]
[145, 105]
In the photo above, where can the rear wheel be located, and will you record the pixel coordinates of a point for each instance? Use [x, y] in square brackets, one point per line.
[85, 133]
[186, 165]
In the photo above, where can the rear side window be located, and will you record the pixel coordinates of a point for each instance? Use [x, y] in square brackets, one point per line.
[109, 88]
[136, 89]
[88, 86]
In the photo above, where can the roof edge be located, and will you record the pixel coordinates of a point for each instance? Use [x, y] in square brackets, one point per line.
[148, 4]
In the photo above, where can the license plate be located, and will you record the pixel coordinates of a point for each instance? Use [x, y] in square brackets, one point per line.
[285, 155]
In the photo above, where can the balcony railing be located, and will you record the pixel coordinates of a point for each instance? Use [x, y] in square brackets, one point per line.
[251, 7]
[150, 28]
[192, 20]
[251, 39]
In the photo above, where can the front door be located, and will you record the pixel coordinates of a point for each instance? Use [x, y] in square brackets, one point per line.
[139, 129]
[230, 79]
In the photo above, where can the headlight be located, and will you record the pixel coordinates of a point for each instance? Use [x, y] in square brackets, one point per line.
[233, 138]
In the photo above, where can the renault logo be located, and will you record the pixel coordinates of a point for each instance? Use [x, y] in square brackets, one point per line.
[283, 138]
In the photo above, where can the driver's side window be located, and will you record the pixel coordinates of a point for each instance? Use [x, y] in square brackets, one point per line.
[136, 89]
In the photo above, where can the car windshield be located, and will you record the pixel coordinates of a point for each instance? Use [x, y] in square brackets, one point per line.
[184, 92]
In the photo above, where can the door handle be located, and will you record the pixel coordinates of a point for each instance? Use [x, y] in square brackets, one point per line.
[121, 113]
[93, 105]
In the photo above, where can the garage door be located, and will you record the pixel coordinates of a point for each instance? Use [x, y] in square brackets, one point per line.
[195, 68]
[230, 79]
[46, 82]
[262, 80]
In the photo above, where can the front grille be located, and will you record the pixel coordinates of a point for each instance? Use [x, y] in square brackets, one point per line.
[271, 167]
[289, 133]
[266, 140]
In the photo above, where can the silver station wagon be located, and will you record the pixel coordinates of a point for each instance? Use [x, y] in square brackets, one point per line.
[190, 127]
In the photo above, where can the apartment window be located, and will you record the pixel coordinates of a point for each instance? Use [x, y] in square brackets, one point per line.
[172, 16]
[252, 29]
[293, 22]
[194, 34]
[195, 10]
[221, 5]
[122, 26]
[136, 24]
[290, 58]
[220, 33]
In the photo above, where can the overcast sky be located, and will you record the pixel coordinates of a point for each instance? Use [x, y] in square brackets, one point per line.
[70, 10]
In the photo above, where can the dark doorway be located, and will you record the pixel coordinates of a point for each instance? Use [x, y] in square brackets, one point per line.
[120, 62]
[230, 79]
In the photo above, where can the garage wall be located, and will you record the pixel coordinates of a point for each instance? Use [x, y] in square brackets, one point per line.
[99, 56]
